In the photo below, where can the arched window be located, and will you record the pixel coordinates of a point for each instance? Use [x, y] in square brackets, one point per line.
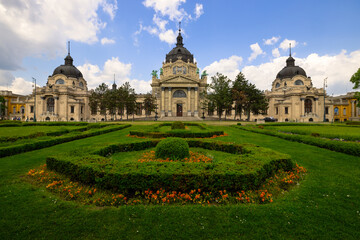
[336, 111]
[81, 84]
[344, 111]
[299, 82]
[277, 85]
[179, 94]
[179, 70]
[22, 109]
[50, 104]
[308, 106]
[60, 81]
[47, 118]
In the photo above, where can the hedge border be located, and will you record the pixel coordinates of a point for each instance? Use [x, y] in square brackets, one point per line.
[12, 150]
[177, 133]
[337, 146]
[104, 178]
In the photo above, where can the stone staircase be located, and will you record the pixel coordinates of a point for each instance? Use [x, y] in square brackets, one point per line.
[183, 119]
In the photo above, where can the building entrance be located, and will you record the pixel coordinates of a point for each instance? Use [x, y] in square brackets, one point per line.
[179, 110]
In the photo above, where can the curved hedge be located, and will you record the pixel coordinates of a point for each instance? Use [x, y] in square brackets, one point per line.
[239, 172]
[351, 148]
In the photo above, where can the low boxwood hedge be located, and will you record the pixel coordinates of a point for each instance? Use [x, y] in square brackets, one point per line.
[177, 133]
[351, 148]
[247, 168]
[12, 150]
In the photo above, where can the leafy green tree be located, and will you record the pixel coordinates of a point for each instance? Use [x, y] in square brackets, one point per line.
[2, 107]
[355, 79]
[149, 104]
[93, 102]
[130, 99]
[248, 97]
[102, 96]
[220, 93]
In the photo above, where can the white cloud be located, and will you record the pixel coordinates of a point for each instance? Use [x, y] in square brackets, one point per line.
[271, 41]
[275, 52]
[170, 8]
[107, 41]
[110, 8]
[199, 10]
[256, 51]
[165, 11]
[284, 45]
[94, 75]
[228, 67]
[338, 68]
[169, 36]
[31, 28]
[19, 86]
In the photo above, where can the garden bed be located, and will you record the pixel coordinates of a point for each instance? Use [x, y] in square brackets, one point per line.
[240, 167]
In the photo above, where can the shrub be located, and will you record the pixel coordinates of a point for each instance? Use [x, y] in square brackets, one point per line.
[177, 125]
[239, 124]
[353, 123]
[173, 148]
[315, 134]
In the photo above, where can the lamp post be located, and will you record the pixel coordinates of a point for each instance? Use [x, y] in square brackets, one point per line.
[325, 85]
[34, 100]
[156, 113]
[203, 113]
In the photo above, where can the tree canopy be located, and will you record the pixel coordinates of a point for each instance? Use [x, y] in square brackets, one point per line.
[355, 79]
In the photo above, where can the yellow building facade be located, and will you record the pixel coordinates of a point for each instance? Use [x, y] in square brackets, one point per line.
[15, 105]
[345, 109]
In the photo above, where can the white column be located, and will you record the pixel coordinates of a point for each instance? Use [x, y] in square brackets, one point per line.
[196, 102]
[162, 107]
[189, 104]
[169, 111]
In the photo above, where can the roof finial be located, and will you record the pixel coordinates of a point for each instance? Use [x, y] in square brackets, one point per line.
[69, 48]
[179, 27]
[290, 49]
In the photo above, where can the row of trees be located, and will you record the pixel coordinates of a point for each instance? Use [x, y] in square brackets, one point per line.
[115, 101]
[222, 93]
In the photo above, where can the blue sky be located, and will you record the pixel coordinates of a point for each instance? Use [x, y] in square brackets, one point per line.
[131, 38]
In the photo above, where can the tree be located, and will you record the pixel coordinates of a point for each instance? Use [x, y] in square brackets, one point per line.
[149, 104]
[355, 79]
[248, 97]
[2, 107]
[130, 99]
[102, 98]
[220, 93]
[93, 102]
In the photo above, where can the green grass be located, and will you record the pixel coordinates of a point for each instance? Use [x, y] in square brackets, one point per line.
[24, 131]
[325, 205]
[329, 131]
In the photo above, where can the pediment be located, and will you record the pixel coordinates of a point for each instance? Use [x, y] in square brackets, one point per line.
[180, 80]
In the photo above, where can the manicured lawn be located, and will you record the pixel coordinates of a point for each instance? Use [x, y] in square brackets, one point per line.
[325, 130]
[24, 131]
[325, 206]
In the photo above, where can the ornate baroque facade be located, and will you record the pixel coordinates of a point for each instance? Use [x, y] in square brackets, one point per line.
[178, 89]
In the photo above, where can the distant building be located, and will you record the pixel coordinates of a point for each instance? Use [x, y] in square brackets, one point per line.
[15, 105]
[64, 98]
[293, 97]
[178, 88]
[345, 108]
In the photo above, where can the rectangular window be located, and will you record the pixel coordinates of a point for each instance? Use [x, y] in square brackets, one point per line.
[31, 109]
[276, 110]
[286, 110]
[72, 109]
[326, 110]
[138, 109]
[81, 109]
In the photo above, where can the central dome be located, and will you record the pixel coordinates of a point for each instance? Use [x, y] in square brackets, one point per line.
[179, 52]
[68, 69]
[290, 70]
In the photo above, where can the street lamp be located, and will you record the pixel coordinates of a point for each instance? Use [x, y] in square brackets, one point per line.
[34, 100]
[325, 85]
[203, 113]
[156, 113]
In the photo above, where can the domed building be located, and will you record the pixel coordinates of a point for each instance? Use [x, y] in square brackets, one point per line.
[177, 90]
[64, 98]
[293, 97]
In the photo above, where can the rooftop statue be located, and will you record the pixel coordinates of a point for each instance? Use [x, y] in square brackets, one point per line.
[154, 73]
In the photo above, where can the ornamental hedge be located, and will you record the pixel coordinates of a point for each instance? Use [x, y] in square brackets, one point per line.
[246, 168]
[177, 133]
[172, 148]
[351, 148]
[38, 144]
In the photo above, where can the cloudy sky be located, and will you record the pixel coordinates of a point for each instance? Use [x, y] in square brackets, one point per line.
[131, 38]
